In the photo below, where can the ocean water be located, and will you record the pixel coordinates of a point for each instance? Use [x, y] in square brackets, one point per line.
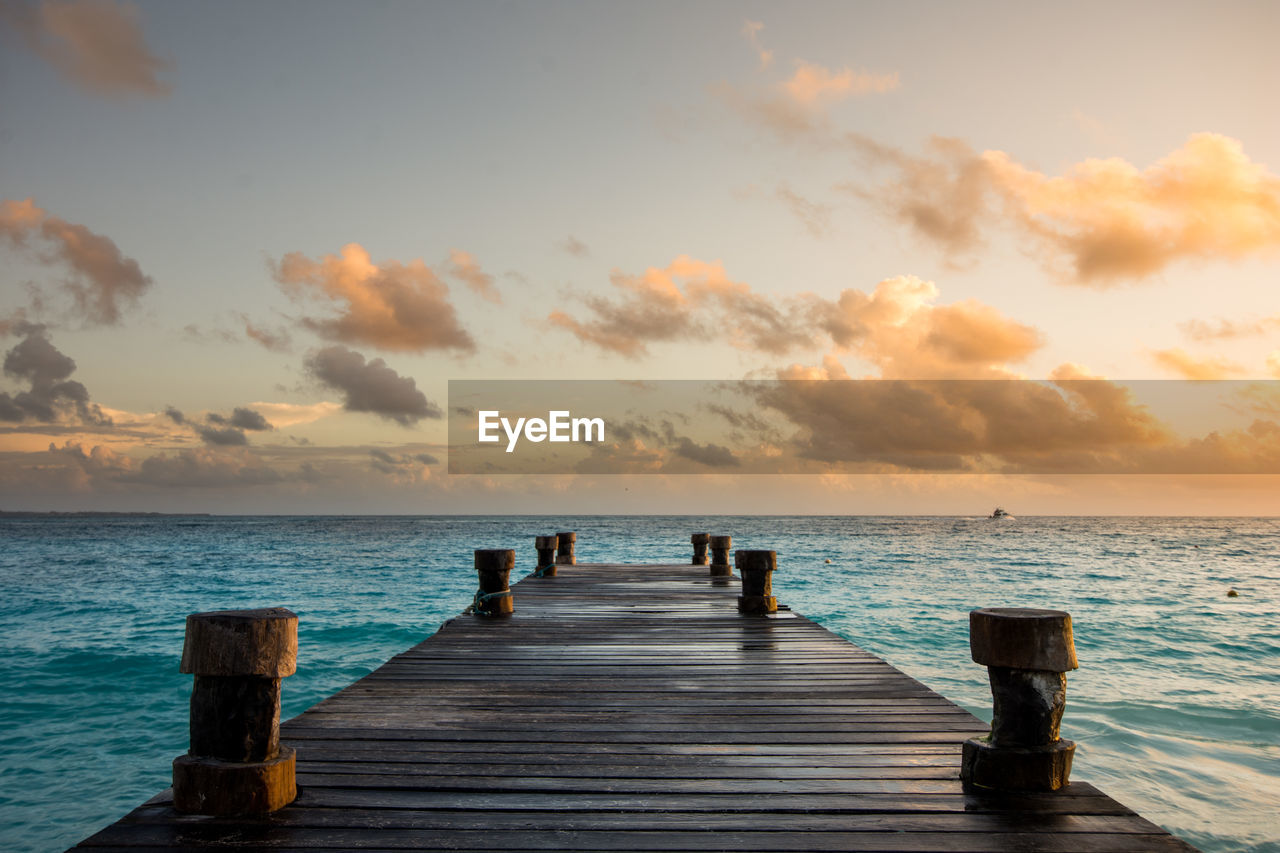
[1176, 706]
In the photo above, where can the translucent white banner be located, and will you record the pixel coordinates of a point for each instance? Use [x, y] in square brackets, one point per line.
[1077, 426]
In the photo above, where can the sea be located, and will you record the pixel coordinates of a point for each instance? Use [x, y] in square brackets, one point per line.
[1175, 707]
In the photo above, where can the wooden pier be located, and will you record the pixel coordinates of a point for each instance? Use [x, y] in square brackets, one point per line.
[632, 708]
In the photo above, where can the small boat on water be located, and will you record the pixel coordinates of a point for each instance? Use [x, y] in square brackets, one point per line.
[1000, 513]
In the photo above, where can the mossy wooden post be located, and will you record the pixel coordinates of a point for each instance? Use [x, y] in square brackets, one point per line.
[564, 549]
[546, 546]
[756, 569]
[1027, 654]
[236, 765]
[700, 542]
[720, 546]
[494, 566]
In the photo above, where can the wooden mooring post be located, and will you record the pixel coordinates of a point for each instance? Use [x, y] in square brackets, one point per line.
[635, 708]
[756, 569]
[236, 764]
[546, 548]
[1027, 654]
[720, 547]
[494, 598]
[700, 542]
[564, 548]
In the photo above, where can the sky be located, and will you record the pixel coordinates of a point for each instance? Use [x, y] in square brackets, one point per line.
[245, 247]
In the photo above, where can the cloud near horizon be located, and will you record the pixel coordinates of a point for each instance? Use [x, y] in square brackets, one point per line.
[402, 468]
[202, 467]
[103, 281]
[228, 431]
[390, 306]
[241, 418]
[98, 45]
[939, 426]
[110, 476]
[1102, 223]
[371, 387]
[1065, 426]
[642, 445]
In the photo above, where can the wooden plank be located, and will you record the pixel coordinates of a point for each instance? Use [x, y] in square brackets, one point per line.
[265, 835]
[632, 709]
[664, 820]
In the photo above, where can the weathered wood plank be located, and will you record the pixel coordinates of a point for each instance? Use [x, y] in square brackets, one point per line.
[271, 836]
[658, 821]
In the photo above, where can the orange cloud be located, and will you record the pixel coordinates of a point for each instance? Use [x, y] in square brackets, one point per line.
[796, 106]
[811, 84]
[463, 266]
[1178, 361]
[1201, 330]
[1101, 223]
[897, 327]
[899, 330]
[687, 300]
[103, 280]
[96, 44]
[1076, 426]
[751, 31]
[392, 306]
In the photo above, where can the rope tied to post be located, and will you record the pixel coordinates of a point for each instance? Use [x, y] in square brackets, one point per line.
[541, 571]
[482, 597]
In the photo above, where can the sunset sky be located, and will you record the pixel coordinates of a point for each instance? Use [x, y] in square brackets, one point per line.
[244, 247]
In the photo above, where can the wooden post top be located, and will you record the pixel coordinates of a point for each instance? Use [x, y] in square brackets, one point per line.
[261, 642]
[700, 538]
[546, 541]
[721, 541]
[755, 561]
[495, 559]
[568, 536]
[1022, 638]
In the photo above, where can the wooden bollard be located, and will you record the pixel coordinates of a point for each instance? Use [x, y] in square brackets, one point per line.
[494, 566]
[546, 546]
[700, 542]
[1027, 654]
[236, 764]
[756, 568]
[564, 549]
[720, 546]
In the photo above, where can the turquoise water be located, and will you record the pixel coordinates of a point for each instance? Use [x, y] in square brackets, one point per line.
[1176, 706]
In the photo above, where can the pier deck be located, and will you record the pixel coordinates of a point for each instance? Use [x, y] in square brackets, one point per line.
[631, 708]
